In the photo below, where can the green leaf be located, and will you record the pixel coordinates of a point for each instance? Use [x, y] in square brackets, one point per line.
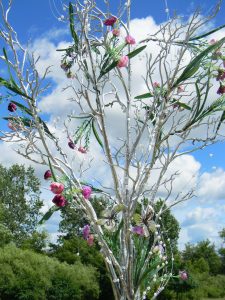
[207, 33]
[48, 214]
[181, 104]
[220, 121]
[107, 70]
[13, 87]
[26, 121]
[137, 219]
[96, 135]
[194, 65]
[22, 107]
[136, 51]
[52, 170]
[144, 96]
[73, 33]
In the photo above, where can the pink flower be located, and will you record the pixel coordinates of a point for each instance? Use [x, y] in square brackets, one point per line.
[180, 89]
[12, 126]
[86, 192]
[130, 40]
[82, 150]
[212, 41]
[12, 107]
[138, 230]
[220, 75]
[71, 144]
[116, 32]
[86, 232]
[56, 187]
[156, 85]
[47, 174]
[90, 240]
[183, 275]
[123, 62]
[59, 201]
[221, 90]
[110, 21]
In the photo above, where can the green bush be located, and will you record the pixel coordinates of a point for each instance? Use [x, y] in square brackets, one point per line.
[27, 275]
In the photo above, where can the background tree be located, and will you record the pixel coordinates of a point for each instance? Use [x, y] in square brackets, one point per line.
[222, 250]
[20, 204]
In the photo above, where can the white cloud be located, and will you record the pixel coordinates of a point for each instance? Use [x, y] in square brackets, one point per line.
[212, 185]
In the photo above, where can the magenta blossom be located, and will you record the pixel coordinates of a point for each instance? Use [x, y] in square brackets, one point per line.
[183, 275]
[110, 21]
[138, 230]
[12, 107]
[82, 150]
[86, 232]
[59, 201]
[47, 175]
[221, 90]
[130, 40]
[123, 62]
[90, 240]
[116, 32]
[71, 145]
[86, 192]
[56, 187]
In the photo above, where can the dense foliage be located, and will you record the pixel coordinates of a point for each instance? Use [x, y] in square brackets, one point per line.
[27, 275]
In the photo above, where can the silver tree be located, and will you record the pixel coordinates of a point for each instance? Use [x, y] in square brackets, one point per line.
[172, 117]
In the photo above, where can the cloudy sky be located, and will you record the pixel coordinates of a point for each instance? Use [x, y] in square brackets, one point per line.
[37, 21]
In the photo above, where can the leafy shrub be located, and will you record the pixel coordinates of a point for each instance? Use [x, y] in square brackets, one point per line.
[27, 275]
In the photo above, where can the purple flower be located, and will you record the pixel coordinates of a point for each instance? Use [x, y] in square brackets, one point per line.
[86, 232]
[56, 187]
[123, 61]
[71, 145]
[12, 107]
[47, 174]
[59, 201]
[138, 230]
[183, 275]
[86, 192]
[110, 21]
[221, 90]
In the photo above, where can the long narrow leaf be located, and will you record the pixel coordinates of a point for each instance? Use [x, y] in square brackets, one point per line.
[96, 135]
[13, 87]
[136, 51]
[194, 65]
[207, 33]
[220, 121]
[73, 33]
[144, 96]
[48, 214]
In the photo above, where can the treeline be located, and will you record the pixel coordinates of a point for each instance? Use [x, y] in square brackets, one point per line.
[31, 268]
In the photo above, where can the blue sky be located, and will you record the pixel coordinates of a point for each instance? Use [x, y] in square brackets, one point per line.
[33, 19]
